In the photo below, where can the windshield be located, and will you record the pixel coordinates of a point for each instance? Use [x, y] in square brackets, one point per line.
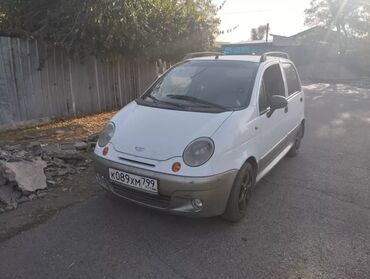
[220, 85]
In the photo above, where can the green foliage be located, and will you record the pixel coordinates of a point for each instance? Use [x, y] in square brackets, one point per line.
[350, 17]
[258, 33]
[154, 28]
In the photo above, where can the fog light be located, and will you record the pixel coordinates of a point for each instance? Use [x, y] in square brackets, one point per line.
[197, 203]
[105, 151]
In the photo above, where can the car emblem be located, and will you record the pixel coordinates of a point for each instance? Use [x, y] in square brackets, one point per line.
[139, 148]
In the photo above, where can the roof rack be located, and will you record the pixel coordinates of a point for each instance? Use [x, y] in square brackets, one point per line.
[201, 54]
[274, 54]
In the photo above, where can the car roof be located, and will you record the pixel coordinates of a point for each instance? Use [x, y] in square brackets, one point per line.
[245, 58]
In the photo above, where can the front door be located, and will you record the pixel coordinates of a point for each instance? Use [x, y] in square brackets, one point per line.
[272, 128]
[295, 96]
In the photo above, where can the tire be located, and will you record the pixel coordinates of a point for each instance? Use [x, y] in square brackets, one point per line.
[240, 194]
[293, 152]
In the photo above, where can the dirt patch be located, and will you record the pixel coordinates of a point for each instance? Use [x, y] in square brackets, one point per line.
[61, 130]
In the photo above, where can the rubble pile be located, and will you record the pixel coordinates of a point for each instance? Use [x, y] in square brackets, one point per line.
[27, 169]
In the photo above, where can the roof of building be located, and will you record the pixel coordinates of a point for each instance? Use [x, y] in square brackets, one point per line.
[302, 33]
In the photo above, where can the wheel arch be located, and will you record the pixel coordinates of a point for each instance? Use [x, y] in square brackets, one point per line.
[303, 124]
[253, 161]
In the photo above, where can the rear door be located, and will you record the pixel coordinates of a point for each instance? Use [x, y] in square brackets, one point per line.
[272, 128]
[295, 95]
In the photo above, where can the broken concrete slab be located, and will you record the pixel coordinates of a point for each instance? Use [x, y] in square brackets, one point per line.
[54, 163]
[78, 145]
[28, 175]
[81, 145]
[22, 199]
[4, 155]
[8, 147]
[67, 146]
[35, 148]
[7, 173]
[69, 157]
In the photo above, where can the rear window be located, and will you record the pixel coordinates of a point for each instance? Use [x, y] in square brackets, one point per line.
[292, 78]
[224, 83]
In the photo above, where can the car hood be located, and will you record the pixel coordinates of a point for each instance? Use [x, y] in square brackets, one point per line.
[161, 134]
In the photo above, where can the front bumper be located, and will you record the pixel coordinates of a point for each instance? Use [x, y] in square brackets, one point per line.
[175, 193]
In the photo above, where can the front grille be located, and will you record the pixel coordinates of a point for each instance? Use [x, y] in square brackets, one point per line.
[149, 199]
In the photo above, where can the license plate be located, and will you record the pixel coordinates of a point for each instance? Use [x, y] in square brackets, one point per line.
[133, 180]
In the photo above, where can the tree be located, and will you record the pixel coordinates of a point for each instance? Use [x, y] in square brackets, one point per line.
[348, 17]
[154, 28]
[258, 33]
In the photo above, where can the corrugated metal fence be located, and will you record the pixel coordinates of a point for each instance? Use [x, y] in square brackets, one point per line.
[38, 83]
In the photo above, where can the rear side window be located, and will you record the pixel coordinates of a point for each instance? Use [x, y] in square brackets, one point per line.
[292, 78]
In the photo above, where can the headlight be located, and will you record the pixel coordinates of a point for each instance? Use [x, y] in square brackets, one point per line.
[198, 152]
[106, 135]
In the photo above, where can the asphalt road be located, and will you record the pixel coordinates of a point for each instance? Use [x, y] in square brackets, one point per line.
[308, 218]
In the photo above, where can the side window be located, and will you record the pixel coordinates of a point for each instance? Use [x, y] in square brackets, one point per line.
[263, 102]
[273, 80]
[291, 78]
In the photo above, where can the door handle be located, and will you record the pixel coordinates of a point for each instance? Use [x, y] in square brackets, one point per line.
[301, 99]
[286, 109]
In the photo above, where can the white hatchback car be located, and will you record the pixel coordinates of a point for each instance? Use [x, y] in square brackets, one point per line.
[204, 133]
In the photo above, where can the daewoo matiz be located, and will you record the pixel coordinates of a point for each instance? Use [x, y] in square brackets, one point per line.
[204, 133]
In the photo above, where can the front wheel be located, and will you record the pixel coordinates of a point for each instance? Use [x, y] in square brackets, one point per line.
[240, 194]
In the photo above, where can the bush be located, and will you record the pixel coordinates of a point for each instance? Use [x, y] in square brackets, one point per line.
[154, 28]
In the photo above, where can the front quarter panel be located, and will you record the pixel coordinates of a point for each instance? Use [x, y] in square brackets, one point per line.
[235, 141]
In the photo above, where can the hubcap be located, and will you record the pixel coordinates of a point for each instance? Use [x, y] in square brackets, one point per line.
[245, 190]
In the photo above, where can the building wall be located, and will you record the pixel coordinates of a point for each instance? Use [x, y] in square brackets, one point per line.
[283, 41]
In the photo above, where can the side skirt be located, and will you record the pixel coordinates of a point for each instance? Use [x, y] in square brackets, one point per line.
[273, 163]
[276, 153]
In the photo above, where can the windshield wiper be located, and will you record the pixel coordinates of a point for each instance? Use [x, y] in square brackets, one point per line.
[196, 100]
[155, 100]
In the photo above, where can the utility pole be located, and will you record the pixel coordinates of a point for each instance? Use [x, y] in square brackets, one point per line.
[267, 31]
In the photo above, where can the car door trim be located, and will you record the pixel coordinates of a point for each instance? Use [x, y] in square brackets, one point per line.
[277, 149]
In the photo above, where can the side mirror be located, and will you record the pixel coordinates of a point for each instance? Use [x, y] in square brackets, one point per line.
[277, 102]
